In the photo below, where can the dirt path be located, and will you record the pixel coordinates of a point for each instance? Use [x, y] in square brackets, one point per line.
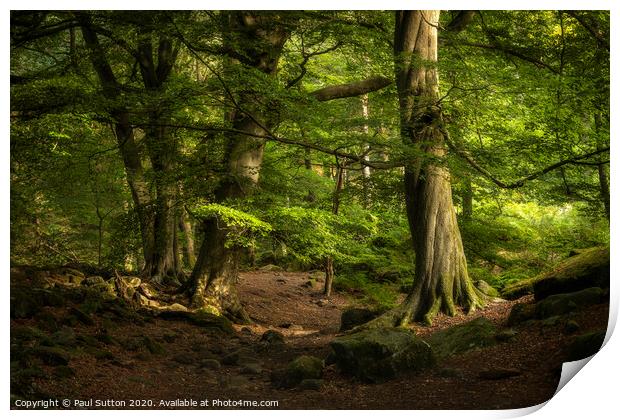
[195, 363]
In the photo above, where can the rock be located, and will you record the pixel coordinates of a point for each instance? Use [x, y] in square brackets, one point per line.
[521, 312]
[81, 316]
[210, 364]
[53, 356]
[272, 337]
[251, 368]
[322, 302]
[311, 384]
[233, 381]
[63, 372]
[231, 359]
[568, 302]
[202, 319]
[551, 321]
[589, 268]
[271, 267]
[585, 345]
[309, 284]
[353, 317]
[304, 367]
[378, 354]
[153, 346]
[499, 373]
[571, 327]
[506, 335]
[27, 302]
[487, 289]
[461, 338]
[25, 334]
[184, 358]
[47, 320]
[65, 337]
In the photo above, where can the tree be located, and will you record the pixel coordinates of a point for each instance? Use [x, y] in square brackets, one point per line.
[441, 280]
[253, 42]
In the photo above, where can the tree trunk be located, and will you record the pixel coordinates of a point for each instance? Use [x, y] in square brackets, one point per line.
[189, 252]
[215, 274]
[329, 276]
[441, 280]
[468, 197]
[365, 169]
[602, 171]
[260, 39]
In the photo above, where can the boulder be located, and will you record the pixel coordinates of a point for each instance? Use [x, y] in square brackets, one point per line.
[564, 303]
[571, 327]
[378, 354]
[52, 356]
[353, 317]
[588, 268]
[464, 337]
[200, 318]
[521, 312]
[300, 369]
[272, 337]
[100, 284]
[486, 288]
[585, 345]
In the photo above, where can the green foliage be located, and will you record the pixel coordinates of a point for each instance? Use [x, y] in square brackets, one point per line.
[242, 228]
[526, 239]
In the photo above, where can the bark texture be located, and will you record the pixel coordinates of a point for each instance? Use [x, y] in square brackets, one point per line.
[255, 41]
[441, 280]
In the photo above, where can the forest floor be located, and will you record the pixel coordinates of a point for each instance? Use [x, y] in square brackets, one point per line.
[285, 302]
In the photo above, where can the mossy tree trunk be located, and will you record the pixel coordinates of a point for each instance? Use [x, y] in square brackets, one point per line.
[441, 280]
[255, 41]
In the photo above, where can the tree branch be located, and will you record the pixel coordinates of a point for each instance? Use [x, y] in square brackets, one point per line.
[520, 182]
[348, 90]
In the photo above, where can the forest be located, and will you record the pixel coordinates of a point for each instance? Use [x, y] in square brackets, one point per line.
[306, 209]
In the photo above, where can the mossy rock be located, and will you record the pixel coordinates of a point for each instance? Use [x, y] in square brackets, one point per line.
[153, 346]
[376, 355]
[26, 334]
[565, 303]
[27, 302]
[202, 319]
[461, 338]
[300, 369]
[521, 312]
[585, 345]
[272, 337]
[487, 289]
[82, 316]
[65, 337]
[353, 317]
[271, 267]
[589, 268]
[47, 320]
[52, 356]
[62, 372]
